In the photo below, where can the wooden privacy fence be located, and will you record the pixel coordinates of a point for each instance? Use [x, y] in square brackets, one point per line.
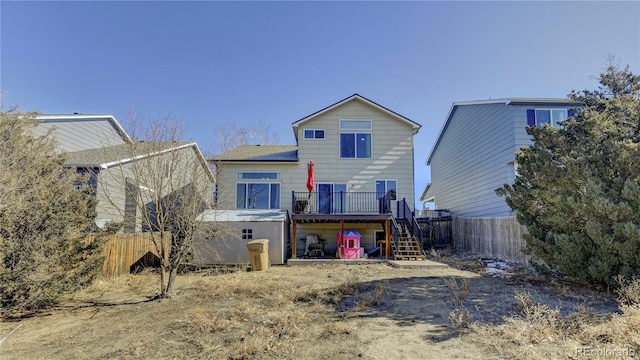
[499, 237]
[122, 252]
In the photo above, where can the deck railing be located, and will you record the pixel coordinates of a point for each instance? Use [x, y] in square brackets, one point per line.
[341, 202]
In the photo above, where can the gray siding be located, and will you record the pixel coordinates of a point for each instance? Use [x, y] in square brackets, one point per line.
[112, 201]
[473, 159]
[81, 134]
[232, 250]
[476, 155]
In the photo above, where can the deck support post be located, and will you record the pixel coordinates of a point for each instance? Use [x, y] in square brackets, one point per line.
[294, 242]
[387, 240]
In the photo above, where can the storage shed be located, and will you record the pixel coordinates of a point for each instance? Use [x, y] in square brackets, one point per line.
[231, 230]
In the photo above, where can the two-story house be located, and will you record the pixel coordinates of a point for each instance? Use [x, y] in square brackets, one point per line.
[123, 172]
[474, 153]
[357, 158]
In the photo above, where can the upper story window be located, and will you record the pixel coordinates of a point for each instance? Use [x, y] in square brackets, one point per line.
[539, 117]
[258, 175]
[317, 134]
[355, 139]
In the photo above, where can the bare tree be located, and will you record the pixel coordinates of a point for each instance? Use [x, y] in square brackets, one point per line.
[160, 185]
[229, 136]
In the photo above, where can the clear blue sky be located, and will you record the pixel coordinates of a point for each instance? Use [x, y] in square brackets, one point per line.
[207, 63]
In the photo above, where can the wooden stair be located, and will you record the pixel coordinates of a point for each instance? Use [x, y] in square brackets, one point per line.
[407, 247]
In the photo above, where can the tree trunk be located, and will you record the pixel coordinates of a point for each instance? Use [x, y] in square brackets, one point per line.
[171, 281]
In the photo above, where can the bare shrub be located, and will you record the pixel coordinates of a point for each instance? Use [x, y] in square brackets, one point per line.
[459, 290]
[460, 317]
[628, 291]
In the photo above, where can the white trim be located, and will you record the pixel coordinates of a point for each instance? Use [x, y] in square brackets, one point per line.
[278, 179]
[355, 132]
[385, 185]
[268, 184]
[314, 134]
[552, 122]
[415, 126]
[370, 129]
[138, 157]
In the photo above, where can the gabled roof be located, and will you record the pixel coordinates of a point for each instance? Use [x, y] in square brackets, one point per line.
[260, 153]
[505, 101]
[423, 194]
[75, 117]
[353, 97]
[120, 154]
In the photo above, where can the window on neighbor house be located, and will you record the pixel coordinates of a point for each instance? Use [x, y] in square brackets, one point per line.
[355, 139]
[539, 117]
[316, 134]
[257, 196]
[385, 186]
[247, 234]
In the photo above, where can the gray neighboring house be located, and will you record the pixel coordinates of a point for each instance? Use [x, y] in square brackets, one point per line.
[99, 146]
[474, 153]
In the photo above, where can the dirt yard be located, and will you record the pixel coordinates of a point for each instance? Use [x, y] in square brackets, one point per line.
[332, 312]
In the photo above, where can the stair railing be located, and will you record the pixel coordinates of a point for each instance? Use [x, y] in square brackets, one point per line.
[405, 214]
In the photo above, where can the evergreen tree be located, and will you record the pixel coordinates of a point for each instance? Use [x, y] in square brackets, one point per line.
[44, 220]
[577, 190]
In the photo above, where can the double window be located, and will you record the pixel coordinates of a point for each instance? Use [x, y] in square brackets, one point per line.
[316, 134]
[258, 195]
[539, 117]
[355, 139]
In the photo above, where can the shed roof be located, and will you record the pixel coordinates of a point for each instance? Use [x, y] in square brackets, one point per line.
[244, 215]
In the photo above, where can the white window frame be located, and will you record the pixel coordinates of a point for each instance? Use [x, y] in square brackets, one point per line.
[304, 134]
[386, 186]
[366, 129]
[269, 200]
[553, 122]
[239, 175]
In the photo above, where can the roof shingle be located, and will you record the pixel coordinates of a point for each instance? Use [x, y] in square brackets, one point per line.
[261, 153]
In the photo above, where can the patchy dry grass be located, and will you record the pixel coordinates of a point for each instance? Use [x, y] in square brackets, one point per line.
[536, 331]
[332, 312]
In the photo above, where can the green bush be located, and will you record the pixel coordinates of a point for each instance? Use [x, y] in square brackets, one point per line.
[577, 190]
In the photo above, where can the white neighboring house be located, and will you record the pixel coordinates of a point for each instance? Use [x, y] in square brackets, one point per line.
[474, 153]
